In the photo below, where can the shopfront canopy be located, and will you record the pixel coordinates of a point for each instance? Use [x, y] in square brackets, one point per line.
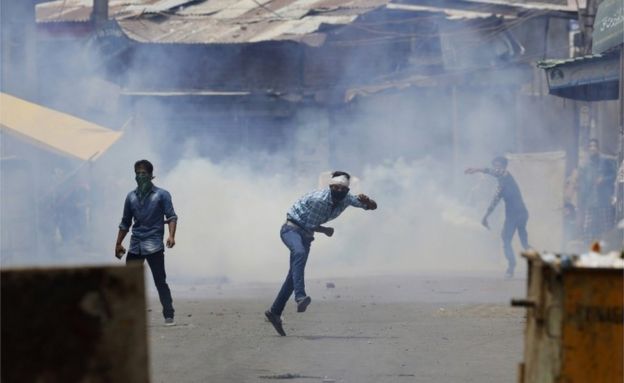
[53, 130]
[588, 78]
[595, 77]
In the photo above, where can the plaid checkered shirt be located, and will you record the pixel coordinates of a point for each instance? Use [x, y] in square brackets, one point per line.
[317, 207]
[506, 190]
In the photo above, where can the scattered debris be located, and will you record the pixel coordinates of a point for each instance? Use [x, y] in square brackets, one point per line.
[319, 337]
[288, 376]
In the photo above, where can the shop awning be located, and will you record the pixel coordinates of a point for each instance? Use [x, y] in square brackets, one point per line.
[53, 130]
[588, 78]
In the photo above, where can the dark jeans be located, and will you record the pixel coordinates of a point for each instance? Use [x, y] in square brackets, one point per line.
[298, 242]
[513, 222]
[156, 262]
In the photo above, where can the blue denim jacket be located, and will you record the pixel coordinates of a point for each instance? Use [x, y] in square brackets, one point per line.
[150, 216]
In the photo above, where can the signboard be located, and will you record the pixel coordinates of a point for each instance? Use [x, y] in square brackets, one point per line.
[609, 26]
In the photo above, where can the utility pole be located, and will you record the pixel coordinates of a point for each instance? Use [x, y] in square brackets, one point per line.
[587, 16]
[99, 15]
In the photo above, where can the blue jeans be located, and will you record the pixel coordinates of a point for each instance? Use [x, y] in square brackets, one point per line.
[514, 222]
[298, 242]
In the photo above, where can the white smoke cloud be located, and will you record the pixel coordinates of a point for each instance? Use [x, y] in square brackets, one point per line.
[230, 218]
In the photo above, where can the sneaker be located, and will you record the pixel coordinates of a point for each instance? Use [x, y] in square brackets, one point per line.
[275, 321]
[302, 304]
[170, 322]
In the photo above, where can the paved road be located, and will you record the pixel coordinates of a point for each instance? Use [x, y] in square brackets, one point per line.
[439, 329]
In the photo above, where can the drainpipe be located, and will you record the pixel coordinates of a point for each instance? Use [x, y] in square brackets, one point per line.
[619, 185]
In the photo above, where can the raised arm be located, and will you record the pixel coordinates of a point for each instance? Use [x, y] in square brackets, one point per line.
[496, 173]
[473, 170]
[362, 201]
[369, 203]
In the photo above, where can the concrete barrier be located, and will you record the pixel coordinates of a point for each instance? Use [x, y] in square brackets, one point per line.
[84, 324]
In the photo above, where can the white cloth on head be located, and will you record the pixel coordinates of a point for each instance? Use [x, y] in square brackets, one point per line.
[341, 180]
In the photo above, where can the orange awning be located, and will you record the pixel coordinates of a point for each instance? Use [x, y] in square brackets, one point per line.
[54, 130]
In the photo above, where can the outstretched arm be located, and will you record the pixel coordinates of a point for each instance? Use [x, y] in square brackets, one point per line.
[496, 173]
[473, 170]
[369, 203]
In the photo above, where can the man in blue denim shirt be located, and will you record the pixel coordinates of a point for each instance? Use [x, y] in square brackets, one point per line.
[151, 208]
[303, 219]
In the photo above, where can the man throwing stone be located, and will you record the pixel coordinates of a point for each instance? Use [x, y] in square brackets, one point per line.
[303, 219]
[516, 213]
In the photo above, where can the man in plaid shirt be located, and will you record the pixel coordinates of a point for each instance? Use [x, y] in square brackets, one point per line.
[303, 219]
[516, 213]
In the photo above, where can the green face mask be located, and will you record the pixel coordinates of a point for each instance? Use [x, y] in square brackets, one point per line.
[144, 184]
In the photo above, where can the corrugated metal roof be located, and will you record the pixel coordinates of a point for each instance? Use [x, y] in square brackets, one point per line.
[509, 8]
[450, 13]
[236, 21]
[217, 21]
[155, 7]
[236, 10]
[202, 93]
[551, 63]
[204, 30]
[80, 10]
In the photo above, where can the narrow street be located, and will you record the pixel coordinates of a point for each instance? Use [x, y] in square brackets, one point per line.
[405, 329]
